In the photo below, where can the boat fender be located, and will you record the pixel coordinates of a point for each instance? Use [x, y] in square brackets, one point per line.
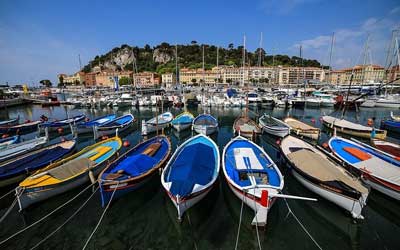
[60, 130]
[91, 177]
[4, 136]
[370, 122]
[264, 198]
[160, 170]
[126, 144]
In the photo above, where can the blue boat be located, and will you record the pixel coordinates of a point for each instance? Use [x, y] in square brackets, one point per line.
[20, 129]
[109, 128]
[391, 125]
[191, 172]
[10, 122]
[52, 126]
[88, 126]
[134, 168]
[4, 142]
[16, 169]
[252, 176]
[205, 124]
[182, 121]
[378, 169]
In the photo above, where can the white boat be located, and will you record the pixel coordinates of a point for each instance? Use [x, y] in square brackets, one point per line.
[267, 101]
[302, 129]
[252, 176]
[13, 150]
[254, 99]
[323, 176]
[191, 172]
[379, 170]
[182, 121]
[390, 101]
[273, 126]
[126, 100]
[121, 123]
[157, 123]
[205, 124]
[313, 102]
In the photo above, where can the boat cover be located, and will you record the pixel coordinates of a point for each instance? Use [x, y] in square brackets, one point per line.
[195, 164]
[345, 124]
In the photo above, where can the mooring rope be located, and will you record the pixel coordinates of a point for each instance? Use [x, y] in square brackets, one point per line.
[255, 212]
[240, 222]
[46, 216]
[9, 210]
[65, 222]
[190, 223]
[11, 191]
[302, 226]
[101, 218]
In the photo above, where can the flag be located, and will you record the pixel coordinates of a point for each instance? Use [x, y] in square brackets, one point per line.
[116, 83]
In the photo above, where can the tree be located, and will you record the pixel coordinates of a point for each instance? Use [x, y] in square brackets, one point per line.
[230, 46]
[125, 81]
[60, 81]
[194, 81]
[193, 42]
[46, 83]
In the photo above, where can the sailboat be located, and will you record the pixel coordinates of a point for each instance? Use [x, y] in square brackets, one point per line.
[205, 123]
[243, 125]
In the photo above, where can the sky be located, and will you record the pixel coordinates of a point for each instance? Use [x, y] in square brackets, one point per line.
[40, 38]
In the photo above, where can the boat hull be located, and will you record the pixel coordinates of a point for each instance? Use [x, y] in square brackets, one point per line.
[205, 129]
[182, 126]
[360, 134]
[151, 128]
[276, 131]
[30, 196]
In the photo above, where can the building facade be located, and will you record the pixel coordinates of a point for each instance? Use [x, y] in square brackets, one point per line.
[361, 74]
[146, 80]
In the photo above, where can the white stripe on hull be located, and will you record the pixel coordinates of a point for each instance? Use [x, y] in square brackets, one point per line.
[382, 189]
[353, 206]
[280, 133]
[185, 205]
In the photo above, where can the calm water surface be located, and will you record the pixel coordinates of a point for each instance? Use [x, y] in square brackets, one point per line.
[147, 219]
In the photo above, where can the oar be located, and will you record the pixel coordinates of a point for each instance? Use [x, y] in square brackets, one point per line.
[293, 197]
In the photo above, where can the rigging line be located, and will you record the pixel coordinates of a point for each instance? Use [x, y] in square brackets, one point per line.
[255, 212]
[11, 191]
[65, 222]
[240, 222]
[9, 210]
[101, 218]
[302, 226]
[46, 216]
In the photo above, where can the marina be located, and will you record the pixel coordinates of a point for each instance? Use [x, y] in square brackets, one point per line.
[146, 209]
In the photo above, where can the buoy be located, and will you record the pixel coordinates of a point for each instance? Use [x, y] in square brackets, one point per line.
[325, 145]
[126, 143]
[312, 120]
[264, 198]
[4, 136]
[27, 121]
[60, 130]
[278, 142]
[320, 119]
[370, 122]
[104, 137]
[87, 119]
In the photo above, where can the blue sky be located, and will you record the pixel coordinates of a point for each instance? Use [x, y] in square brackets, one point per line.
[39, 39]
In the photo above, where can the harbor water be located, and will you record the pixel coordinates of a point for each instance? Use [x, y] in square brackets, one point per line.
[147, 219]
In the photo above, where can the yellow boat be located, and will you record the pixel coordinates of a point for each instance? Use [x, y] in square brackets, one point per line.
[68, 173]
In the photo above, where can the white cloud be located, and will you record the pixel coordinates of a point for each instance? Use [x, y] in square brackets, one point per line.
[349, 42]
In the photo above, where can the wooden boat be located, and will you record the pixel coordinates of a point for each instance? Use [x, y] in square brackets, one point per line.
[5, 142]
[388, 147]
[156, 123]
[392, 125]
[323, 176]
[10, 122]
[14, 150]
[134, 168]
[191, 172]
[274, 126]
[378, 170]
[121, 123]
[182, 121]
[68, 173]
[16, 169]
[54, 125]
[205, 124]
[252, 176]
[353, 129]
[20, 129]
[302, 129]
[246, 127]
[89, 126]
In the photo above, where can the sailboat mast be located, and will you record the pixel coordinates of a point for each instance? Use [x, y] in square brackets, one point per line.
[260, 50]
[330, 57]
[366, 48]
[243, 67]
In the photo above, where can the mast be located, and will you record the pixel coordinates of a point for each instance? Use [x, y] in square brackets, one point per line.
[330, 57]
[243, 67]
[259, 51]
[176, 67]
[219, 73]
[366, 48]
